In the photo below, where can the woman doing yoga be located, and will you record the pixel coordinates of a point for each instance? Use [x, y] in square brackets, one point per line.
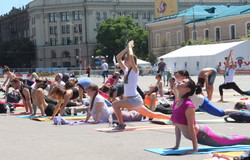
[132, 100]
[183, 118]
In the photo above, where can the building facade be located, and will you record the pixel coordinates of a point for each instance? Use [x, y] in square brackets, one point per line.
[65, 31]
[14, 25]
[226, 24]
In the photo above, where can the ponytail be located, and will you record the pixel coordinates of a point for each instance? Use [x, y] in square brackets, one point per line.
[93, 87]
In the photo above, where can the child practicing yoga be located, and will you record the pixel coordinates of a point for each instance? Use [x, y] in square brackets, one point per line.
[183, 118]
[132, 100]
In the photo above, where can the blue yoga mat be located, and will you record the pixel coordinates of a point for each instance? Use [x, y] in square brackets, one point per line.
[36, 116]
[202, 150]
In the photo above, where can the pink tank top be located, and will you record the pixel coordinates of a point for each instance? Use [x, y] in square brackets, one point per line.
[178, 115]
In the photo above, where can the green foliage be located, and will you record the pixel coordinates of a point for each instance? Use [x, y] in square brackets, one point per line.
[151, 58]
[247, 37]
[113, 35]
[199, 41]
[17, 53]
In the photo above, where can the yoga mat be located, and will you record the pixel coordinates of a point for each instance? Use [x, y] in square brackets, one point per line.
[230, 154]
[208, 121]
[66, 118]
[201, 150]
[137, 128]
[37, 116]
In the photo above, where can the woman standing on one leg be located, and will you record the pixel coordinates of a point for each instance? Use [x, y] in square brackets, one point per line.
[132, 99]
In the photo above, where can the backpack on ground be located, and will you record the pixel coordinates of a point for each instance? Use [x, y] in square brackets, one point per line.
[13, 97]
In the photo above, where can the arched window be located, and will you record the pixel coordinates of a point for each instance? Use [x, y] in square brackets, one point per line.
[247, 29]
[157, 40]
[168, 38]
[217, 33]
[232, 31]
[66, 54]
[179, 37]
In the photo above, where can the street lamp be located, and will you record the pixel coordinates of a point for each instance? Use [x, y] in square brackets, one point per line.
[79, 46]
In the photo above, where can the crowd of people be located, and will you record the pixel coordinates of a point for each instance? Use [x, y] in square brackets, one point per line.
[121, 97]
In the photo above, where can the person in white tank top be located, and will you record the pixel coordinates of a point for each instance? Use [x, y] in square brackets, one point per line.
[132, 100]
[229, 79]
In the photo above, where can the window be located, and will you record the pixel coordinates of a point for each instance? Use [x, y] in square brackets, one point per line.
[66, 54]
[217, 34]
[206, 34]
[144, 15]
[148, 15]
[248, 29]
[168, 38]
[54, 64]
[64, 40]
[66, 64]
[98, 15]
[53, 41]
[52, 17]
[157, 40]
[77, 15]
[67, 29]
[76, 40]
[65, 16]
[104, 15]
[78, 28]
[179, 37]
[63, 29]
[53, 54]
[51, 29]
[232, 32]
[97, 26]
[77, 52]
[135, 15]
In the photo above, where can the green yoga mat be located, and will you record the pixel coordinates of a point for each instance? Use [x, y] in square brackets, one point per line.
[206, 121]
[201, 150]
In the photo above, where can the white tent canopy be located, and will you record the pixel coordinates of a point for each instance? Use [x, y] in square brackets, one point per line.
[194, 58]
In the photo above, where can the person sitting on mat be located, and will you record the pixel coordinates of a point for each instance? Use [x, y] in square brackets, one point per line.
[183, 118]
[150, 101]
[229, 79]
[99, 110]
[132, 100]
[159, 84]
[207, 76]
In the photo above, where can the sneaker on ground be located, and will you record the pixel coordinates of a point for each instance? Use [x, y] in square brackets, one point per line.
[119, 127]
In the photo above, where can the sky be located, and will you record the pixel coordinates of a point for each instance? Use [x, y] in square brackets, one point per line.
[6, 5]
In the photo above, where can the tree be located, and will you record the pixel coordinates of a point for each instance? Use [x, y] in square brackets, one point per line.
[113, 35]
[17, 53]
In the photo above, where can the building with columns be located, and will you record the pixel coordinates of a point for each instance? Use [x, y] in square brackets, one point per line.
[65, 31]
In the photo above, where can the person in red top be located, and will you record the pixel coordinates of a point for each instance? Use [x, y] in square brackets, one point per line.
[88, 70]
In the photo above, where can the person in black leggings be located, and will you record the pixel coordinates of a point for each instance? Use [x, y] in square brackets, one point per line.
[229, 78]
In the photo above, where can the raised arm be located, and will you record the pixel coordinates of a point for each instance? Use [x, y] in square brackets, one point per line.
[119, 58]
[228, 59]
[232, 60]
[131, 56]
